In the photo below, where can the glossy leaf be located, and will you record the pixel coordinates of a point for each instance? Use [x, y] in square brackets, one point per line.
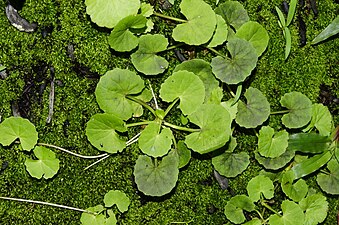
[200, 25]
[116, 197]
[254, 33]
[275, 163]
[271, 144]
[187, 87]
[255, 111]
[156, 180]
[237, 68]
[330, 182]
[101, 131]
[295, 191]
[145, 59]
[321, 119]
[315, 208]
[299, 107]
[231, 164]
[155, 142]
[215, 128]
[235, 206]
[233, 13]
[101, 11]
[13, 128]
[260, 185]
[122, 38]
[47, 165]
[113, 88]
[220, 34]
[292, 214]
[308, 142]
[329, 31]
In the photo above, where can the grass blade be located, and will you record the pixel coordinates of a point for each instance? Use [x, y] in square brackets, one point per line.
[288, 42]
[281, 17]
[291, 12]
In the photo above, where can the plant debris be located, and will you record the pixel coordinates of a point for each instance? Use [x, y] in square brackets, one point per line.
[18, 22]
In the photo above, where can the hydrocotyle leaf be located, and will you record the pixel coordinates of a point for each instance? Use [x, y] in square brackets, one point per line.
[330, 182]
[215, 128]
[99, 219]
[145, 59]
[315, 208]
[46, 166]
[187, 87]
[116, 197]
[235, 206]
[233, 13]
[220, 34]
[275, 163]
[308, 142]
[156, 178]
[101, 132]
[13, 128]
[299, 107]
[113, 88]
[200, 25]
[231, 164]
[260, 185]
[271, 144]
[292, 214]
[183, 153]
[109, 13]
[329, 31]
[295, 191]
[237, 68]
[321, 119]
[255, 111]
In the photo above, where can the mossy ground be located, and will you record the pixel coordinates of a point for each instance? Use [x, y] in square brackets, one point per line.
[197, 196]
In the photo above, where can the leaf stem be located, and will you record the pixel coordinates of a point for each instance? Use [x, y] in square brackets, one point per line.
[215, 51]
[180, 128]
[169, 17]
[269, 208]
[153, 95]
[139, 123]
[175, 46]
[72, 153]
[141, 102]
[280, 112]
[47, 203]
[171, 106]
[261, 217]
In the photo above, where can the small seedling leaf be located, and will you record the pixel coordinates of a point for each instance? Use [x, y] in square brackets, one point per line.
[275, 163]
[292, 214]
[300, 109]
[260, 185]
[101, 132]
[188, 87]
[330, 182]
[13, 128]
[231, 108]
[183, 153]
[281, 17]
[145, 59]
[231, 164]
[146, 9]
[255, 221]
[200, 25]
[255, 112]
[154, 142]
[116, 197]
[101, 11]
[233, 13]
[329, 31]
[271, 144]
[288, 40]
[156, 180]
[308, 142]
[315, 208]
[295, 191]
[215, 128]
[113, 88]
[254, 33]
[99, 219]
[235, 206]
[291, 12]
[220, 34]
[46, 166]
[321, 119]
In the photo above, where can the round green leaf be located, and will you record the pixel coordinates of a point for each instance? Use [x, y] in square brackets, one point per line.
[113, 88]
[153, 142]
[156, 180]
[186, 86]
[237, 68]
[260, 185]
[146, 9]
[46, 166]
[17, 127]
[231, 164]
[215, 128]
[255, 221]
[321, 119]
[99, 219]
[116, 197]
[295, 191]
[220, 34]
[275, 163]
[299, 107]
[183, 153]
[145, 59]
[330, 182]
[101, 132]
[292, 215]
[235, 206]
[233, 13]
[200, 25]
[108, 13]
[272, 144]
[231, 107]
[315, 208]
[255, 112]
[121, 38]
[254, 33]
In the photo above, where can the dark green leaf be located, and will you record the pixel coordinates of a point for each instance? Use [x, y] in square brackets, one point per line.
[235, 206]
[308, 142]
[275, 163]
[330, 182]
[231, 164]
[233, 13]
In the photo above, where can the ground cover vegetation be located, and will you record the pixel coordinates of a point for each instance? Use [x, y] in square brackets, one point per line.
[216, 131]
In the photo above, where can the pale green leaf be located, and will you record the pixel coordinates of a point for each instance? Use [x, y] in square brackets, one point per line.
[281, 17]
[295, 191]
[330, 182]
[329, 31]
[260, 185]
[321, 119]
[255, 221]
[275, 163]
[291, 11]
[288, 40]
[235, 206]
[91, 219]
[231, 107]
[231, 164]
[146, 9]
[220, 34]
[315, 208]
[272, 144]
[292, 215]
[116, 197]
[233, 13]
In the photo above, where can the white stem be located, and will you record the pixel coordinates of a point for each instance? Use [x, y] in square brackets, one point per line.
[155, 99]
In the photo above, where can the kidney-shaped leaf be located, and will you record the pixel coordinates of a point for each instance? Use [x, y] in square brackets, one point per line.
[188, 87]
[99, 218]
[46, 166]
[183, 153]
[321, 119]
[153, 142]
[330, 182]
[101, 132]
[220, 34]
[108, 13]
[233, 12]
[113, 88]
[156, 180]
[255, 112]
[260, 185]
[300, 109]
[116, 197]
[295, 191]
[271, 144]
[121, 38]
[145, 59]
[315, 208]
[231, 164]
[255, 34]
[292, 215]
[215, 128]
[237, 68]
[17, 127]
[235, 206]
[200, 25]
[275, 163]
